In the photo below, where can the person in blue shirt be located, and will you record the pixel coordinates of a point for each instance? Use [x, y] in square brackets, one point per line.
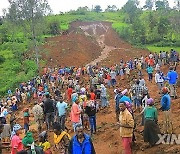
[150, 72]
[165, 107]
[81, 143]
[61, 108]
[172, 77]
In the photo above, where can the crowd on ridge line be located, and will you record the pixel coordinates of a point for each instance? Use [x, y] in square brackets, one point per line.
[84, 101]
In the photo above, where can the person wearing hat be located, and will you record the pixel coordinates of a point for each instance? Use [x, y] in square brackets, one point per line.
[29, 145]
[165, 107]
[172, 77]
[151, 129]
[16, 141]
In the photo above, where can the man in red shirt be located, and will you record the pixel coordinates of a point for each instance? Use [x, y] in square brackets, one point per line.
[92, 94]
[69, 93]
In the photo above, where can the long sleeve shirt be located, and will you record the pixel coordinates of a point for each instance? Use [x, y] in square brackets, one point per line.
[125, 118]
[165, 102]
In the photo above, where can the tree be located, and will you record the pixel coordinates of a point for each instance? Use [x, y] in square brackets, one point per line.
[149, 4]
[3, 34]
[131, 8]
[82, 10]
[54, 27]
[112, 8]
[177, 4]
[29, 14]
[97, 8]
[162, 5]
[138, 32]
[163, 26]
[2, 59]
[1, 21]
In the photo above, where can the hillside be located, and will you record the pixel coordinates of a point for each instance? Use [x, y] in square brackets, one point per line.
[110, 49]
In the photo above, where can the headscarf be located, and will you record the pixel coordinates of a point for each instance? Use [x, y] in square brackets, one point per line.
[28, 141]
[124, 91]
[16, 127]
[150, 101]
[128, 106]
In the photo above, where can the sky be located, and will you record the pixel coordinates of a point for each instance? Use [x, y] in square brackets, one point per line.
[67, 5]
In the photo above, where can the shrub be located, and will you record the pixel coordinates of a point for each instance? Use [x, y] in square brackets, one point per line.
[54, 27]
[2, 59]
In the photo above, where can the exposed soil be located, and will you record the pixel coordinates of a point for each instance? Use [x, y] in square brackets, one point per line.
[73, 49]
[96, 42]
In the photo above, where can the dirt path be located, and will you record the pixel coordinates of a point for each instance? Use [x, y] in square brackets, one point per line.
[92, 30]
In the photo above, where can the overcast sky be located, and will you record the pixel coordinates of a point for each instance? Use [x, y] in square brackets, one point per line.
[66, 5]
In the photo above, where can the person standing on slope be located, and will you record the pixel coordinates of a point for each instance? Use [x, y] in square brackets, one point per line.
[126, 127]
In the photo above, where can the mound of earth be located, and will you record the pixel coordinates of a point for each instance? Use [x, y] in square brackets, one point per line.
[74, 49]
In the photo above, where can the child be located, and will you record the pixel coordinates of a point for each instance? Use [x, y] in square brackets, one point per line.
[26, 119]
[61, 139]
[44, 143]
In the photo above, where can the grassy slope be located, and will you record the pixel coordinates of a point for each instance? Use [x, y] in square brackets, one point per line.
[65, 20]
[157, 49]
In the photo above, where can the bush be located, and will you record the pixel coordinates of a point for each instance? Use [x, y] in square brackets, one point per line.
[2, 59]
[54, 27]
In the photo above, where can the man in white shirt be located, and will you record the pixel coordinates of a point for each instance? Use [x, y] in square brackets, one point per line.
[113, 77]
[159, 79]
[142, 81]
[151, 55]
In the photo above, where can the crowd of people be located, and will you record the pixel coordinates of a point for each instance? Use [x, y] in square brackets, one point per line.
[80, 93]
